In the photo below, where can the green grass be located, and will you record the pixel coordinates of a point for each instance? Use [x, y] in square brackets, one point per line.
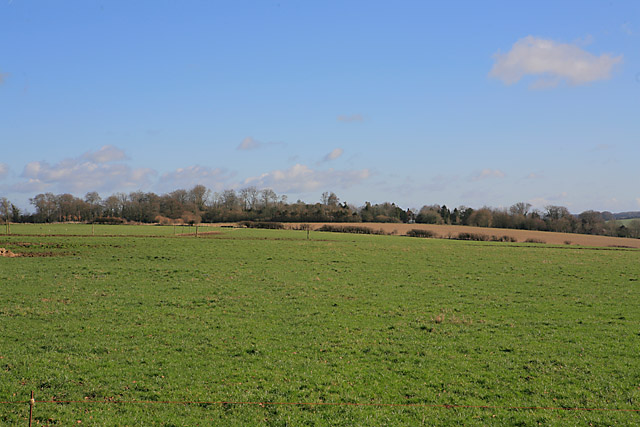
[100, 230]
[626, 222]
[267, 316]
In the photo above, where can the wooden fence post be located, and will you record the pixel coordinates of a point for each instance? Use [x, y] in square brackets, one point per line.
[32, 403]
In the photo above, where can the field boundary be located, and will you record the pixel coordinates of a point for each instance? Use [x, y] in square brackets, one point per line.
[453, 231]
[32, 403]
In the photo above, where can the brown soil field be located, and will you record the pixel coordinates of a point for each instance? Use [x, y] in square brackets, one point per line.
[452, 231]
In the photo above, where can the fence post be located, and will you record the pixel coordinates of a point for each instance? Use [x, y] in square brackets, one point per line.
[32, 403]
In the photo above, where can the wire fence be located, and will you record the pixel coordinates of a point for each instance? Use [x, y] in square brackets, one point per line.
[32, 403]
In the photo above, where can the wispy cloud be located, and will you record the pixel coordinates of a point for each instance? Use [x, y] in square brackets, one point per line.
[488, 173]
[541, 202]
[553, 62]
[350, 118]
[4, 170]
[533, 175]
[300, 178]
[215, 178]
[249, 144]
[3, 77]
[333, 154]
[89, 172]
[106, 154]
[603, 147]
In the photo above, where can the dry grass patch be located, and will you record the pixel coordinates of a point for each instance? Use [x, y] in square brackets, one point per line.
[448, 316]
[7, 253]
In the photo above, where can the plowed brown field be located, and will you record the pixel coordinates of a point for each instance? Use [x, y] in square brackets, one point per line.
[452, 231]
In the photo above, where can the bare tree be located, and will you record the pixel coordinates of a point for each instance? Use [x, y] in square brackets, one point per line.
[229, 199]
[269, 197]
[634, 228]
[249, 197]
[4, 212]
[112, 206]
[593, 223]
[94, 202]
[45, 205]
[520, 208]
[555, 212]
[198, 196]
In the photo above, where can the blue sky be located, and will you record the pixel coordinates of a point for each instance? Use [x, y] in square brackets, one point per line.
[413, 102]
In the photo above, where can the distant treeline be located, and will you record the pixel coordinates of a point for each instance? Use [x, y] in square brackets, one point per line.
[199, 204]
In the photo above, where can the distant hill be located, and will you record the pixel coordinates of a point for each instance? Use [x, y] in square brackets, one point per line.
[627, 215]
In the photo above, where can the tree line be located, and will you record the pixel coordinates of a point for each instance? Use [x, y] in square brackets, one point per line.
[199, 204]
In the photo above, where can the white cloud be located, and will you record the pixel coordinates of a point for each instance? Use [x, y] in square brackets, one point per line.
[216, 179]
[553, 61]
[350, 118]
[4, 170]
[249, 144]
[107, 153]
[488, 173]
[300, 178]
[334, 154]
[29, 186]
[541, 202]
[86, 173]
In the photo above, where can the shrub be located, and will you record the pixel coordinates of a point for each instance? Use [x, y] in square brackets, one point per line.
[531, 240]
[262, 224]
[504, 238]
[163, 220]
[349, 229]
[473, 236]
[108, 220]
[417, 232]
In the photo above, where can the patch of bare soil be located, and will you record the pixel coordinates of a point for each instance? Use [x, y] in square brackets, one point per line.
[522, 236]
[42, 254]
[7, 253]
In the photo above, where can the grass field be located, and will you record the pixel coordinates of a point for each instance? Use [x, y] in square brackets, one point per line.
[626, 222]
[385, 330]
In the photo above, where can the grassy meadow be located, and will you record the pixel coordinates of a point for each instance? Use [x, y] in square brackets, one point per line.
[413, 331]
